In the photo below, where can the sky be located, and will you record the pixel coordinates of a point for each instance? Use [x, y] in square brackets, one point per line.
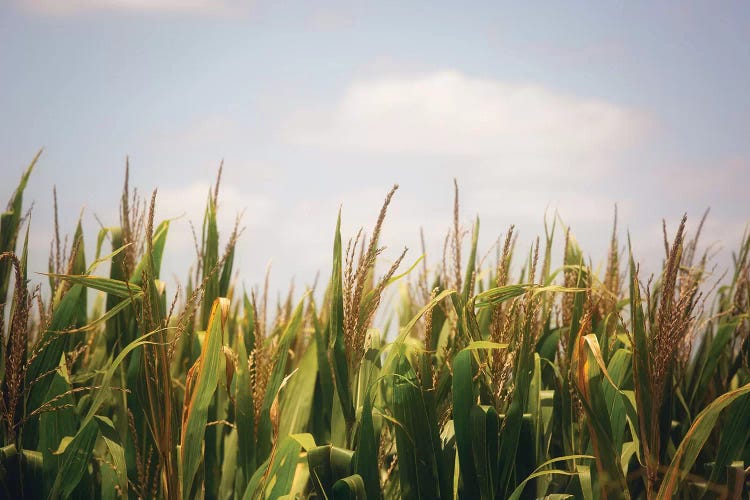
[570, 107]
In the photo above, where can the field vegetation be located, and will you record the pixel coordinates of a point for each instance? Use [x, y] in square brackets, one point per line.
[502, 376]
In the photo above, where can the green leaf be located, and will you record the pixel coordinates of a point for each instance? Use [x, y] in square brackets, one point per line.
[228, 488]
[350, 488]
[485, 428]
[324, 403]
[244, 420]
[117, 454]
[10, 221]
[197, 400]
[366, 456]
[641, 364]
[327, 464]
[734, 435]
[693, 442]
[55, 425]
[265, 431]
[277, 473]
[210, 254]
[463, 401]
[336, 336]
[619, 367]
[589, 387]
[471, 264]
[297, 399]
[44, 361]
[226, 273]
[398, 346]
[716, 348]
[512, 425]
[117, 288]
[319, 465]
[158, 242]
[77, 454]
[419, 466]
[542, 471]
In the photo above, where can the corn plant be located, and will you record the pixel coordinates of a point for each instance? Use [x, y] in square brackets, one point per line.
[482, 378]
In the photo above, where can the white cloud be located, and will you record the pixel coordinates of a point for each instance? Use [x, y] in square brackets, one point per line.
[68, 7]
[449, 113]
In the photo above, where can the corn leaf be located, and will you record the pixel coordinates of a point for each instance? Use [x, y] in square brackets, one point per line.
[696, 437]
[463, 401]
[197, 400]
[350, 488]
[366, 456]
[117, 455]
[265, 426]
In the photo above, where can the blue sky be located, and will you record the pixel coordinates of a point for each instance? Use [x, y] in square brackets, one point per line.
[574, 106]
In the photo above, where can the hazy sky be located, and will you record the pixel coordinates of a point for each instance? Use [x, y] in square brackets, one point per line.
[574, 106]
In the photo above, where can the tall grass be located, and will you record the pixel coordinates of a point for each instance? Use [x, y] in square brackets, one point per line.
[551, 382]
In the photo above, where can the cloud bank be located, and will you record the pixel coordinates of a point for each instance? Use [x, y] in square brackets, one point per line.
[450, 113]
[71, 7]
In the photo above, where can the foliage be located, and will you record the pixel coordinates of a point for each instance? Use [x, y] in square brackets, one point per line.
[498, 383]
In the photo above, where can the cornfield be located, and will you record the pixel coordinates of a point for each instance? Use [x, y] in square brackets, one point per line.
[504, 377]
